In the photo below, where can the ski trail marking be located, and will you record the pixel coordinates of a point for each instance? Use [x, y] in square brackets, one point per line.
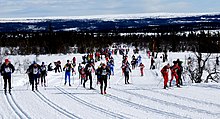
[112, 114]
[56, 107]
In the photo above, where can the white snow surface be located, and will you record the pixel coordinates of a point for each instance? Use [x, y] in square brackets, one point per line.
[144, 98]
[105, 17]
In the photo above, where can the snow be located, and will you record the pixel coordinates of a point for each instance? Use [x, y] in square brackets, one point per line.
[143, 98]
[70, 29]
[105, 17]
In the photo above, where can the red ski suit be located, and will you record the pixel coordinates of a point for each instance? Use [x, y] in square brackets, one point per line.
[142, 69]
[174, 73]
[164, 72]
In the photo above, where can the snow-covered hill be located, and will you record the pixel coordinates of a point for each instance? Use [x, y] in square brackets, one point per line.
[109, 17]
[143, 98]
[110, 22]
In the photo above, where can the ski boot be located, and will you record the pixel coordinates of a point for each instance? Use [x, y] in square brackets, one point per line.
[178, 85]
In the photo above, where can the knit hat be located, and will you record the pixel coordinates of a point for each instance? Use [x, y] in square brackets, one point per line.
[6, 60]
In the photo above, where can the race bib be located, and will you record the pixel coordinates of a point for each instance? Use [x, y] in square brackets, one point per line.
[35, 71]
[7, 70]
[104, 72]
[43, 68]
[127, 69]
[90, 69]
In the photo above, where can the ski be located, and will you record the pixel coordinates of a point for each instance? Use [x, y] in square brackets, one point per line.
[106, 94]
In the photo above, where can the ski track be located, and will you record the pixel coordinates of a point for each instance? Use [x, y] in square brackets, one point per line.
[123, 110]
[56, 107]
[12, 97]
[19, 113]
[207, 86]
[16, 108]
[169, 103]
[112, 114]
[145, 108]
[180, 97]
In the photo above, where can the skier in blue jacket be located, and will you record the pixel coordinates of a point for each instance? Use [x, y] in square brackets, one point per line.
[67, 68]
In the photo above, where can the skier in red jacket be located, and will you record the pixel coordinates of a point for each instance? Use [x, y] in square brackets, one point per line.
[165, 71]
[174, 70]
[142, 69]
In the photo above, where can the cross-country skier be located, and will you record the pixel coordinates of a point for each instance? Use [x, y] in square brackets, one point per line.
[49, 67]
[57, 67]
[6, 70]
[164, 71]
[133, 62]
[34, 70]
[179, 72]
[82, 74]
[174, 70]
[142, 69]
[126, 71]
[74, 62]
[152, 62]
[98, 73]
[111, 67]
[79, 68]
[139, 60]
[43, 74]
[67, 68]
[104, 71]
[97, 56]
[88, 69]
[124, 63]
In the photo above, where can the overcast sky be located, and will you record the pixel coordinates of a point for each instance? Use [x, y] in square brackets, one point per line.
[42, 8]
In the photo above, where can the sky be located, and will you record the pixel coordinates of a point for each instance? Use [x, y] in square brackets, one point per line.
[45, 8]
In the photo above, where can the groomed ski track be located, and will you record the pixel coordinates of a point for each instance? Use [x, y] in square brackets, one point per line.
[141, 99]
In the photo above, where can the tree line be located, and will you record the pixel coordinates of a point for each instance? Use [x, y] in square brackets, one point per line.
[61, 42]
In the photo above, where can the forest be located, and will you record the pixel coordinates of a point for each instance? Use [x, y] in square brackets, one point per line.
[24, 43]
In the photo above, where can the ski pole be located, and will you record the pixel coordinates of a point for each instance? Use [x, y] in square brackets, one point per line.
[160, 81]
[11, 82]
[1, 82]
[46, 81]
[78, 85]
[61, 79]
[109, 83]
[131, 78]
[119, 80]
[96, 82]
[73, 77]
[27, 83]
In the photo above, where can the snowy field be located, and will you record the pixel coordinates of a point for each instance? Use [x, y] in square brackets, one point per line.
[144, 98]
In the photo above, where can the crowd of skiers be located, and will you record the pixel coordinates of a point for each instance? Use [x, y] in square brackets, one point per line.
[37, 73]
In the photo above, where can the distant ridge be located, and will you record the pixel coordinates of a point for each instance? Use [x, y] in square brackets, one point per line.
[147, 22]
[109, 17]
